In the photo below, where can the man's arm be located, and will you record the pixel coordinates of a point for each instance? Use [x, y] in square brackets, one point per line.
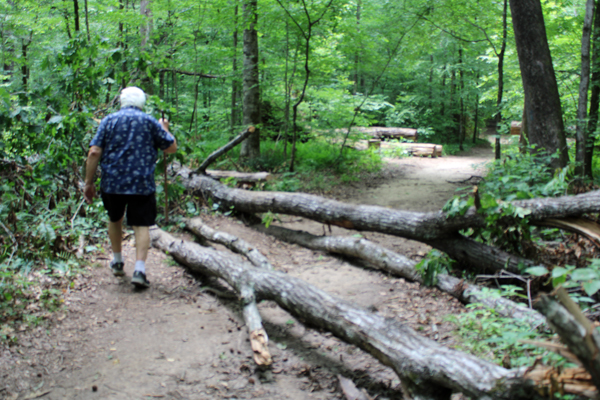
[165, 125]
[89, 191]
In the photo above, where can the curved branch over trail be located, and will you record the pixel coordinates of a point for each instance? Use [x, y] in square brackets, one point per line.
[216, 154]
[427, 369]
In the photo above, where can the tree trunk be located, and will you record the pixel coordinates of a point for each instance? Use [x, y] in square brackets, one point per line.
[574, 329]
[498, 116]
[475, 123]
[216, 154]
[87, 21]
[582, 132]
[76, 15]
[595, 92]
[146, 27]
[434, 229]
[235, 84]
[421, 226]
[427, 370]
[67, 26]
[461, 132]
[24, 66]
[542, 100]
[251, 105]
[397, 264]
[357, 89]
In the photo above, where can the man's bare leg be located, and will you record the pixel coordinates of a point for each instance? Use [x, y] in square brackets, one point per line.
[142, 243]
[115, 234]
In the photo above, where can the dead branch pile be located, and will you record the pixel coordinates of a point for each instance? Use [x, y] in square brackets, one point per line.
[427, 369]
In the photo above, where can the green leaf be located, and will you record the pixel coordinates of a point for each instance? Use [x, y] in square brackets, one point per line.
[591, 287]
[537, 271]
[559, 271]
[56, 119]
[584, 274]
[488, 201]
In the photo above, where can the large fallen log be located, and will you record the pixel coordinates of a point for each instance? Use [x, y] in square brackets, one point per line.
[384, 259]
[423, 149]
[433, 228]
[240, 177]
[427, 369]
[382, 132]
[421, 226]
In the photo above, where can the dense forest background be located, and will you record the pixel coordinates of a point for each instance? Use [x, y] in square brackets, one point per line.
[441, 66]
[302, 71]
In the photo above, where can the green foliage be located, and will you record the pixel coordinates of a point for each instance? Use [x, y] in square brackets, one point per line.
[489, 335]
[587, 279]
[518, 176]
[524, 176]
[432, 265]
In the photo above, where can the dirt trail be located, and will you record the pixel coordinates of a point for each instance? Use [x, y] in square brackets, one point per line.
[180, 340]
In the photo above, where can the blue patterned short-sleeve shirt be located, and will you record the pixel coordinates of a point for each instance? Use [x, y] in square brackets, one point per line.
[129, 139]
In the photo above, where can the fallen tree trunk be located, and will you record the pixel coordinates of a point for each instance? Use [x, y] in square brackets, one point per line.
[219, 152]
[241, 177]
[479, 256]
[421, 226]
[423, 149]
[397, 264]
[382, 132]
[582, 226]
[427, 369]
[433, 228]
[574, 329]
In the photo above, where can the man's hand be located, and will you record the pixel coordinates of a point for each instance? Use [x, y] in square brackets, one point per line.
[89, 192]
[164, 123]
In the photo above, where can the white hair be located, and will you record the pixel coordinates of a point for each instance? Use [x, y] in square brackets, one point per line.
[133, 96]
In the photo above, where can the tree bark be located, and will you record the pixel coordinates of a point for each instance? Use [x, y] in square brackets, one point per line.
[542, 100]
[76, 15]
[426, 369]
[146, 27]
[382, 132]
[218, 153]
[574, 329]
[235, 85]
[582, 133]
[595, 83]
[434, 228]
[87, 21]
[421, 226]
[251, 104]
[500, 55]
[240, 177]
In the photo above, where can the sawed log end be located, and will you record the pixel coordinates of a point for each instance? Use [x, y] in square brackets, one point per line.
[260, 348]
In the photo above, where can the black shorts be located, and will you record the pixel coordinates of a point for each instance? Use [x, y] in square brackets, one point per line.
[141, 209]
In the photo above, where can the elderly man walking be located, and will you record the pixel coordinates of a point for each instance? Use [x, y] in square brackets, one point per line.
[125, 146]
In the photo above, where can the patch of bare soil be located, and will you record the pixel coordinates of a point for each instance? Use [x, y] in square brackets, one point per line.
[181, 339]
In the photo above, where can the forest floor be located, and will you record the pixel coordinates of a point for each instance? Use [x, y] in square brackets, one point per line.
[181, 340]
